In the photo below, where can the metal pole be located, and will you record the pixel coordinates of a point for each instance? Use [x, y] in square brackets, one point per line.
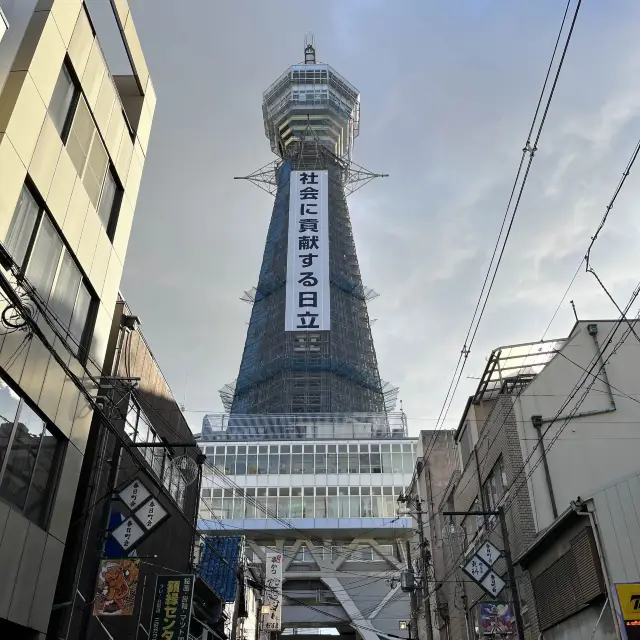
[105, 517]
[425, 573]
[414, 600]
[511, 573]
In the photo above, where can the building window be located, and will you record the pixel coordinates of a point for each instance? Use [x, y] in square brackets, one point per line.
[91, 161]
[38, 250]
[109, 203]
[495, 486]
[138, 429]
[63, 101]
[30, 457]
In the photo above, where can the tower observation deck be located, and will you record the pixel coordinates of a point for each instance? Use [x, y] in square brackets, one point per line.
[309, 347]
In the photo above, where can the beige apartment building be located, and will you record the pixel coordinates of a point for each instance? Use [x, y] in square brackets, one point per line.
[73, 139]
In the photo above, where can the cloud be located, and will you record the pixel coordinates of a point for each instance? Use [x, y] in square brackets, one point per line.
[448, 92]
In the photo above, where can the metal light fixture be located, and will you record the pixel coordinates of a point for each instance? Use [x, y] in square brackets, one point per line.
[265, 610]
[403, 624]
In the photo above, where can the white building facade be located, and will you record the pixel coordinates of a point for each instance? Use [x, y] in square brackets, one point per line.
[329, 504]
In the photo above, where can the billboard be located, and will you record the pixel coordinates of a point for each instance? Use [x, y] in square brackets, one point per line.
[116, 588]
[308, 304]
[497, 618]
[171, 615]
[272, 620]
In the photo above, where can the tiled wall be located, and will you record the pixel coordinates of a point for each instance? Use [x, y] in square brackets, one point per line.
[31, 149]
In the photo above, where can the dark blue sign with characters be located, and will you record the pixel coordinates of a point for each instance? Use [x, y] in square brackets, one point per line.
[171, 615]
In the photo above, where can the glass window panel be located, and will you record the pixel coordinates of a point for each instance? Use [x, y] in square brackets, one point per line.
[43, 263]
[307, 463]
[321, 463]
[333, 510]
[142, 433]
[261, 504]
[354, 507]
[22, 457]
[332, 463]
[61, 99]
[308, 506]
[252, 463]
[343, 500]
[377, 510]
[354, 466]
[386, 461]
[9, 403]
[274, 462]
[80, 315]
[107, 199]
[95, 171]
[321, 507]
[253, 450]
[285, 449]
[296, 463]
[158, 460]
[250, 508]
[130, 423]
[296, 448]
[343, 463]
[43, 481]
[63, 298]
[230, 465]
[263, 464]
[283, 506]
[22, 225]
[82, 131]
[376, 463]
[241, 463]
[219, 463]
[389, 506]
[285, 463]
[227, 507]
[365, 466]
[396, 461]
[365, 507]
[407, 462]
[272, 504]
[263, 449]
[296, 503]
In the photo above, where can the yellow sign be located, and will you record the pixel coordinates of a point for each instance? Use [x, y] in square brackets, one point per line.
[629, 598]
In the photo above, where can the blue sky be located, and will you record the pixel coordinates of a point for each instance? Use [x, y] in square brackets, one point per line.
[448, 91]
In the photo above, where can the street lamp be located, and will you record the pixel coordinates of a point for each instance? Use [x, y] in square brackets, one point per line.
[403, 625]
[265, 610]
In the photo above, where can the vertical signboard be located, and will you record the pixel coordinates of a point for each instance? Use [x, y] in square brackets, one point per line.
[116, 588]
[308, 304]
[272, 621]
[171, 615]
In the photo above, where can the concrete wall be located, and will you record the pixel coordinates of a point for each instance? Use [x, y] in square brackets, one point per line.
[592, 450]
[31, 56]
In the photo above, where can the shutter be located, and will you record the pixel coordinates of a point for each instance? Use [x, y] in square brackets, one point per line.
[583, 547]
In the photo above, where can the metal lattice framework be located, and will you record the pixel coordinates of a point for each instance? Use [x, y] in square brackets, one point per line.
[328, 371]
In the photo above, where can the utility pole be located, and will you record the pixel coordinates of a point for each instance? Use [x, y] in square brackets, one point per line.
[414, 600]
[507, 557]
[425, 572]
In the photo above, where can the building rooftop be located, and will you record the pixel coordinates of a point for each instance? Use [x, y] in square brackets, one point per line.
[515, 365]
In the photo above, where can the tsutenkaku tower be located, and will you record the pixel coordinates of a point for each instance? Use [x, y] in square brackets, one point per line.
[309, 347]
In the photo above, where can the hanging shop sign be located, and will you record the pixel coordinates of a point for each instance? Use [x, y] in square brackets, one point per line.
[171, 615]
[307, 300]
[116, 588]
[272, 619]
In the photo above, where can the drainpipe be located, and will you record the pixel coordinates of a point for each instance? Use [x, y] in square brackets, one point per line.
[593, 332]
[537, 421]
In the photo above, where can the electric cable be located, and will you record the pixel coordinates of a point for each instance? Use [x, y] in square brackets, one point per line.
[530, 149]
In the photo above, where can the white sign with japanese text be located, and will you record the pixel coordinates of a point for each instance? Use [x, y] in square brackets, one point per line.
[308, 304]
[272, 621]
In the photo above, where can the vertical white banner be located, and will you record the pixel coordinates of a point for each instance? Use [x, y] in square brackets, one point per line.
[308, 305]
[272, 621]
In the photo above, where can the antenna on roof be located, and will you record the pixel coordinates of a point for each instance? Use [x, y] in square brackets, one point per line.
[309, 48]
